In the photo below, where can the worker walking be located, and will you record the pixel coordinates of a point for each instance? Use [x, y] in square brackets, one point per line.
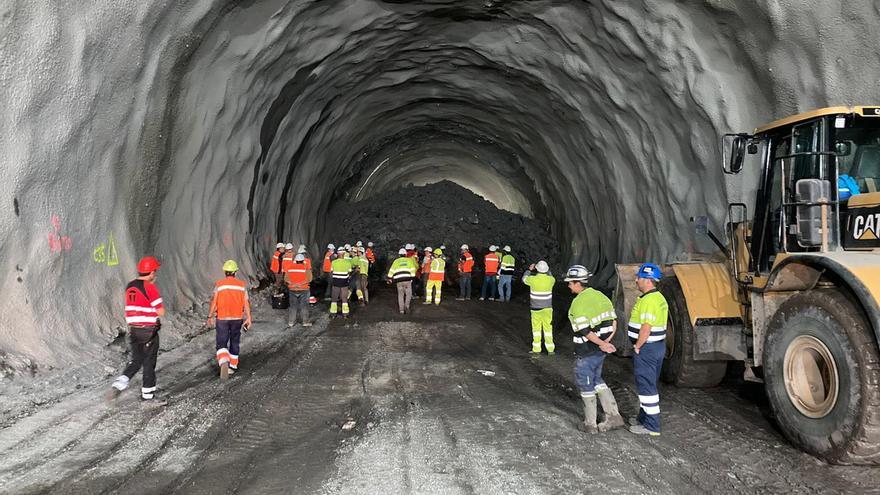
[436, 276]
[593, 323]
[490, 265]
[275, 265]
[362, 274]
[425, 268]
[508, 265]
[647, 332]
[402, 273]
[299, 275]
[541, 304]
[327, 269]
[143, 308]
[230, 304]
[465, 268]
[340, 270]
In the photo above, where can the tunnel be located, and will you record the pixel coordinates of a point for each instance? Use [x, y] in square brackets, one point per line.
[210, 130]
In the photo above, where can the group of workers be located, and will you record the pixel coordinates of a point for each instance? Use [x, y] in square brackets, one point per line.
[591, 315]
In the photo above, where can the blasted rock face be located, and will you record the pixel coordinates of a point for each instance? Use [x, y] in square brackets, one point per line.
[442, 213]
[205, 130]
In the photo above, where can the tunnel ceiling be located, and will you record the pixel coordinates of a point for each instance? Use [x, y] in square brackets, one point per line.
[204, 130]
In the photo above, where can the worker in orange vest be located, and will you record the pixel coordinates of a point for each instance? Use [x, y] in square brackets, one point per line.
[465, 268]
[329, 256]
[371, 257]
[298, 278]
[425, 267]
[490, 264]
[275, 266]
[233, 310]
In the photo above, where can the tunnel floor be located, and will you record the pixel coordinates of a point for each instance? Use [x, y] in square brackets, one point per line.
[382, 403]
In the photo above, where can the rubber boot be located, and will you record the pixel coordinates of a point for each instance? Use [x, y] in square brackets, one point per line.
[609, 405]
[590, 412]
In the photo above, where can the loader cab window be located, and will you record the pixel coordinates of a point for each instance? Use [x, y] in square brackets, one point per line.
[858, 147]
[766, 233]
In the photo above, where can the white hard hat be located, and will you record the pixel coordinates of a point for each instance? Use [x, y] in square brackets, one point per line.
[370, 244]
[542, 267]
[301, 250]
[443, 247]
[279, 245]
[402, 251]
[300, 257]
[331, 246]
[288, 246]
[464, 247]
[506, 249]
[577, 273]
[493, 247]
[409, 246]
[428, 249]
[340, 249]
[347, 247]
[359, 243]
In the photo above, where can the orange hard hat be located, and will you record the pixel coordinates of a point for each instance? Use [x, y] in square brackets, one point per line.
[148, 264]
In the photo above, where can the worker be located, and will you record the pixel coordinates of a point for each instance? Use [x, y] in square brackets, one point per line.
[298, 278]
[402, 273]
[143, 308]
[465, 267]
[647, 332]
[275, 265]
[425, 268]
[371, 254]
[508, 264]
[230, 304]
[490, 267]
[541, 305]
[436, 275]
[361, 276]
[341, 273]
[593, 323]
[329, 256]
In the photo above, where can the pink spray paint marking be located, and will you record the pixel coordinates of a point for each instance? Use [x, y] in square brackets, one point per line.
[58, 243]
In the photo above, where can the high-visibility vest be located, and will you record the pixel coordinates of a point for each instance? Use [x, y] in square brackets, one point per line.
[426, 264]
[540, 289]
[371, 256]
[508, 263]
[231, 294]
[308, 263]
[340, 270]
[403, 269]
[467, 263]
[275, 266]
[651, 308]
[298, 276]
[328, 259]
[491, 263]
[438, 269]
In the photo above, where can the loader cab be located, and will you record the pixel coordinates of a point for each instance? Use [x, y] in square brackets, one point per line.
[797, 207]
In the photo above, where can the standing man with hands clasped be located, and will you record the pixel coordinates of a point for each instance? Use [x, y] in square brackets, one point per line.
[593, 322]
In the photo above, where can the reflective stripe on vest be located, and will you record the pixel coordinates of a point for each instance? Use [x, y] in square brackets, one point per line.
[657, 333]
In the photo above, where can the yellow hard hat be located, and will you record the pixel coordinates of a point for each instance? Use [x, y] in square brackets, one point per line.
[438, 252]
[230, 266]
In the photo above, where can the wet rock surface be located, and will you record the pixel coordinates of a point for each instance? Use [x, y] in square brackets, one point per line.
[446, 400]
[442, 214]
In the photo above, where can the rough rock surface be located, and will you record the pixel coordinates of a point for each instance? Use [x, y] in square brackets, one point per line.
[207, 129]
[441, 214]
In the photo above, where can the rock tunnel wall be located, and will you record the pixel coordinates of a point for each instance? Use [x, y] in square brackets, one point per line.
[207, 129]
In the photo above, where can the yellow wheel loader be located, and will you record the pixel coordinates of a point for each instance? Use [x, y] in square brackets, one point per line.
[796, 299]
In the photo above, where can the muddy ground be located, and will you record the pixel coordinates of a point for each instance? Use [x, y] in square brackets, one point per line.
[447, 400]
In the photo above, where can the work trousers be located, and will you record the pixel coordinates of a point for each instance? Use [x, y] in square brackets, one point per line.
[588, 373]
[328, 279]
[504, 287]
[488, 286]
[542, 323]
[228, 342]
[144, 351]
[464, 285]
[404, 295]
[430, 287]
[363, 292]
[646, 366]
[299, 306]
[339, 296]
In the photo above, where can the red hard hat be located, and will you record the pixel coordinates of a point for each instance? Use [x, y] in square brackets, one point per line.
[148, 264]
